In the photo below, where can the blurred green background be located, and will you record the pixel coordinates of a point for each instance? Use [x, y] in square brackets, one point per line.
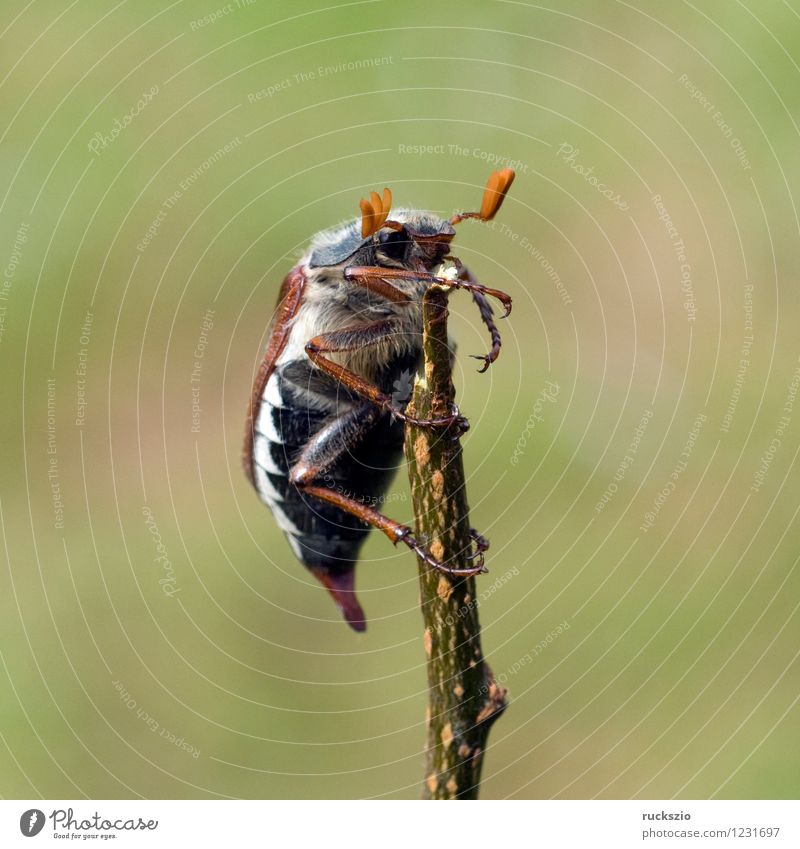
[162, 167]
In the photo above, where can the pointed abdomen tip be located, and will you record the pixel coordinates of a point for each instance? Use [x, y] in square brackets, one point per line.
[341, 586]
[359, 625]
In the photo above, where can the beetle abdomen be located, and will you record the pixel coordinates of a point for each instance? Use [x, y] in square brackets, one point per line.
[320, 534]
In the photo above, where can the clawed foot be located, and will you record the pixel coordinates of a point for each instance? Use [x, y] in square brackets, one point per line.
[481, 545]
[486, 359]
[454, 420]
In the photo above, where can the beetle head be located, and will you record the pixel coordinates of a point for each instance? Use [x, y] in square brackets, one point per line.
[410, 238]
[416, 238]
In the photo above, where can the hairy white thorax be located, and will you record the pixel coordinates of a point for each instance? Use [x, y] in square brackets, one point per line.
[331, 303]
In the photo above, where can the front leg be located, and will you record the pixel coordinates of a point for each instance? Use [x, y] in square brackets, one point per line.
[355, 339]
[487, 316]
[469, 284]
[464, 280]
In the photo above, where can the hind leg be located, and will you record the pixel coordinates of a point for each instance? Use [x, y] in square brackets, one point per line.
[322, 452]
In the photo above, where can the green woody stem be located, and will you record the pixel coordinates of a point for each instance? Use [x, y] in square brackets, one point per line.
[464, 699]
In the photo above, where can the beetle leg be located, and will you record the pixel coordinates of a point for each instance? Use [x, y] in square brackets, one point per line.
[465, 280]
[481, 543]
[487, 315]
[354, 339]
[325, 448]
[382, 288]
[394, 530]
[471, 285]
[361, 272]
[424, 555]
[380, 272]
[331, 441]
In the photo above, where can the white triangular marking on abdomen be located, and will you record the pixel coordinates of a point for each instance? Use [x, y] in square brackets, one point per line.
[272, 392]
[283, 521]
[295, 546]
[265, 488]
[263, 455]
[266, 425]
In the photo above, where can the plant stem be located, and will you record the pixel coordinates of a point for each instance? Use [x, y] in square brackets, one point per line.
[464, 699]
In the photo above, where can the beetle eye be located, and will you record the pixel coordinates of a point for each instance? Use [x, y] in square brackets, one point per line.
[394, 243]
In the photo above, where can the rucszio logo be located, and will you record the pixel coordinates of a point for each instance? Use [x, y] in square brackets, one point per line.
[31, 822]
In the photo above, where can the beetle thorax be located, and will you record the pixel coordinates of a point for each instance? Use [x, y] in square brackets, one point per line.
[332, 303]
